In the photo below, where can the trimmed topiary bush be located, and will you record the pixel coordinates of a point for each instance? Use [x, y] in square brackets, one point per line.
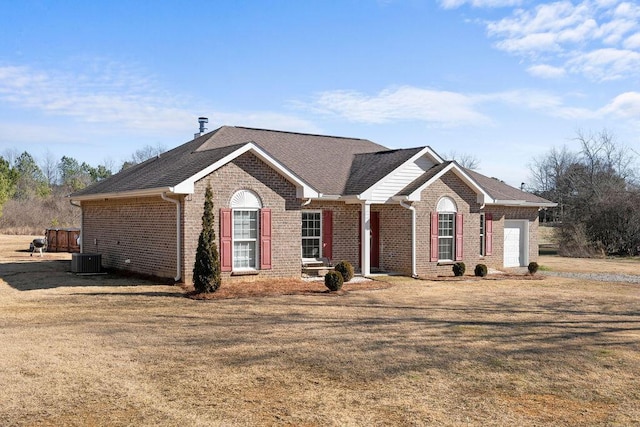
[346, 269]
[333, 281]
[459, 268]
[533, 268]
[480, 270]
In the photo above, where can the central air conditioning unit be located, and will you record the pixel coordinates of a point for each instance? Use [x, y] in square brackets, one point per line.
[86, 263]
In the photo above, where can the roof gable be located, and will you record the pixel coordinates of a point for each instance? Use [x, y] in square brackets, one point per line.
[322, 161]
[413, 191]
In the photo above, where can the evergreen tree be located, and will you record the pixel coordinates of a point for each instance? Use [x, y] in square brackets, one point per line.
[206, 270]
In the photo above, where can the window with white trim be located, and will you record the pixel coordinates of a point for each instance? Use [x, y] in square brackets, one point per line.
[446, 229]
[245, 206]
[311, 234]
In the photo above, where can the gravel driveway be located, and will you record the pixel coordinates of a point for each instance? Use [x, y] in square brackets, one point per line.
[600, 277]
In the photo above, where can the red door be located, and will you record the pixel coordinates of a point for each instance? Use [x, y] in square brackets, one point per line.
[375, 239]
[374, 261]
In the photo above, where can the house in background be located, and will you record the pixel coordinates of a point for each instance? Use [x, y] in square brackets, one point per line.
[285, 198]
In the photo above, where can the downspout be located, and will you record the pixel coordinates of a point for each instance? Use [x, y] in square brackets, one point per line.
[305, 203]
[414, 267]
[79, 205]
[178, 236]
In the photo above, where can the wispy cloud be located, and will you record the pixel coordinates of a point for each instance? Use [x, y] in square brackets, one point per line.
[546, 71]
[452, 4]
[625, 105]
[403, 103]
[451, 109]
[595, 38]
[113, 94]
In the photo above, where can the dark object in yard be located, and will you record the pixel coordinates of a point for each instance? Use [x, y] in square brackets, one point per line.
[459, 268]
[39, 244]
[63, 239]
[480, 270]
[333, 281]
[533, 268]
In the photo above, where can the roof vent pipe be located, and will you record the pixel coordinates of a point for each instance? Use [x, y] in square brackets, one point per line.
[203, 130]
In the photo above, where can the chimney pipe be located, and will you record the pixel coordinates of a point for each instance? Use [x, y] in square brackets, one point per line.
[203, 130]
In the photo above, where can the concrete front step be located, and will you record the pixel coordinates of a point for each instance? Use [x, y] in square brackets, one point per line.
[316, 270]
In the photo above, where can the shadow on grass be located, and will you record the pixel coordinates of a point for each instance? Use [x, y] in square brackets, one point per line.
[50, 274]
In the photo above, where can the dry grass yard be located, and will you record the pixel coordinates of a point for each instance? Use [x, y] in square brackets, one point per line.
[109, 351]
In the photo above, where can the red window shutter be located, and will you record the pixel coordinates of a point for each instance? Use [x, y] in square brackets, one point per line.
[226, 246]
[434, 236]
[265, 239]
[488, 234]
[327, 234]
[459, 239]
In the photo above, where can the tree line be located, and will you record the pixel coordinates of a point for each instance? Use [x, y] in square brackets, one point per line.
[598, 195]
[33, 194]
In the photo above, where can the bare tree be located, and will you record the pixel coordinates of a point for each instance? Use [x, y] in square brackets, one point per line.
[466, 160]
[143, 154]
[49, 167]
[597, 193]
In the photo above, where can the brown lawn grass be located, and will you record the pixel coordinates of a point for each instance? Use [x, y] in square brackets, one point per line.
[113, 351]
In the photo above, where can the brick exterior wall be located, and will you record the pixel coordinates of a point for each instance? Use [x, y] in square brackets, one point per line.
[395, 238]
[137, 234]
[247, 172]
[450, 185]
[500, 214]
[346, 245]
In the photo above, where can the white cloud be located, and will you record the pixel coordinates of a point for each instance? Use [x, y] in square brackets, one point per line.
[625, 105]
[453, 4]
[402, 103]
[598, 39]
[110, 98]
[606, 64]
[546, 71]
[632, 42]
[115, 96]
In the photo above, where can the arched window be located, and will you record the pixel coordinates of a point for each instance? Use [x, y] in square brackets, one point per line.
[245, 206]
[447, 211]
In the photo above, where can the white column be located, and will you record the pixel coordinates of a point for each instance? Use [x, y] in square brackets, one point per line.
[365, 241]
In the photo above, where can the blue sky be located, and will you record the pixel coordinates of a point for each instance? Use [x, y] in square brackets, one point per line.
[501, 80]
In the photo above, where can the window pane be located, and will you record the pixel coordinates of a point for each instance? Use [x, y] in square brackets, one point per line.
[244, 254]
[245, 224]
[311, 248]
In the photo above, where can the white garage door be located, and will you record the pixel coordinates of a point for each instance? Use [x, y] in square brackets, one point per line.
[515, 239]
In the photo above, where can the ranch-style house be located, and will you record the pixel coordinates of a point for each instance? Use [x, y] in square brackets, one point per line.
[284, 199]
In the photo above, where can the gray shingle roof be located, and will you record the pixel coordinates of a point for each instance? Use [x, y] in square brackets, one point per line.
[331, 165]
[167, 170]
[322, 161]
[501, 191]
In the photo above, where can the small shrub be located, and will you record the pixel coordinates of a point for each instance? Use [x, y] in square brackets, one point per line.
[333, 281]
[459, 268]
[533, 268]
[480, 270]
[346, 269]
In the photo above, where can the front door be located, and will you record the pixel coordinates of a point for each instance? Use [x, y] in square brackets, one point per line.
[375, 239]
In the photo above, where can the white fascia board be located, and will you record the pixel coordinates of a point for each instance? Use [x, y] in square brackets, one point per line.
[486, 198]
[368, 193]
[124, 194]
[303, 190]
